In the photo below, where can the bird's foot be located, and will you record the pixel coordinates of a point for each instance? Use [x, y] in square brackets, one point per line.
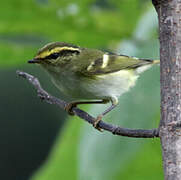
[69, 107]
[96, 122]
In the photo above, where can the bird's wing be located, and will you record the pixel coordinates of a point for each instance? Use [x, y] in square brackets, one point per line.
[113, 63]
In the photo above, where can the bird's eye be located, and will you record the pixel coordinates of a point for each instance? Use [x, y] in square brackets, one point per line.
[54, 56]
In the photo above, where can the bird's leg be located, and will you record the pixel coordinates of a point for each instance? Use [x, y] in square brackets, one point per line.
[114, 102]
[70, 105]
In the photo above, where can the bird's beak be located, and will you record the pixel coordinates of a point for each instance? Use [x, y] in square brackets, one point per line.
[38, 61]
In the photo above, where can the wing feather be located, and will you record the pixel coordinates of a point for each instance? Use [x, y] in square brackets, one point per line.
[113, 63]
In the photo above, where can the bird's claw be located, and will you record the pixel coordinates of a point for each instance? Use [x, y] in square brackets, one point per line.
[96, 122]
[69, 107]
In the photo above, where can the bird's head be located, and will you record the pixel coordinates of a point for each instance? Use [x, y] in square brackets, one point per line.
[55, 53]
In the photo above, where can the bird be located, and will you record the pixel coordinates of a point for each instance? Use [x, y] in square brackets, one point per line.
[90, 76]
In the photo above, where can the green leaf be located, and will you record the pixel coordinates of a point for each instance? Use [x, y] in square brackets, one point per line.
[147, 164]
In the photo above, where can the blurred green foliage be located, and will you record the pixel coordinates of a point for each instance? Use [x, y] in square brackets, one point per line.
[27, 25]
[127, 27]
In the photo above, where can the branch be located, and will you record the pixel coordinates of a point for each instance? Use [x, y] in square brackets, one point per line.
[169, 16]
[42, 94]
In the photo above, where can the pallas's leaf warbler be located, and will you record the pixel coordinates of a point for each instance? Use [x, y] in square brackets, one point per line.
[90, 76]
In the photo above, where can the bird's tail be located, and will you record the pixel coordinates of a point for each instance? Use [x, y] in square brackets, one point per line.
[147, 65]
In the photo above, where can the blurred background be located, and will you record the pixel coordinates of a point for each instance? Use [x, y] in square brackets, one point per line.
[39, 141]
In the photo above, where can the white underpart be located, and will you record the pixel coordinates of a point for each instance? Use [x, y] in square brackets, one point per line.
[143, 68]
[90, 66]
[112, 85]
[105, 60]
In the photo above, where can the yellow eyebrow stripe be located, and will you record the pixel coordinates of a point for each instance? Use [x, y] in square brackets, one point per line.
[55, 50]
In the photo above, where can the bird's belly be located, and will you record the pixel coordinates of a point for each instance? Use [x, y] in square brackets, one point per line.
[72, 86]
[112, 85]
[103, 87]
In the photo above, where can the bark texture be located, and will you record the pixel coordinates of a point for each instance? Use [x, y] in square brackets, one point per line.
[169, 13]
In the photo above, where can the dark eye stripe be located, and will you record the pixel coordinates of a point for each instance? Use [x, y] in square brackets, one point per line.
[53, 56]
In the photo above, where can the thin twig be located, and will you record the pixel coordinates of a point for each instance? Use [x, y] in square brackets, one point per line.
[137, 133]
